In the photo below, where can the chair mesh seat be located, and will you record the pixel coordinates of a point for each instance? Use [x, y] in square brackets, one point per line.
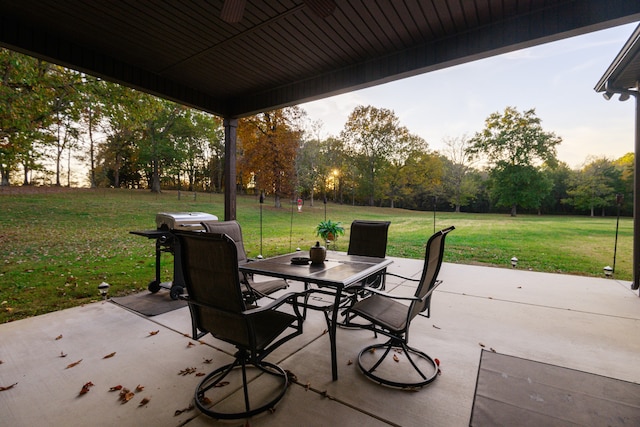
[388, 313]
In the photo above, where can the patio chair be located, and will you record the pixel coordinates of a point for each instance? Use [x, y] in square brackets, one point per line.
[366, 238]
[252, 290]
[369, 238]
[217, 306]
[392, 318]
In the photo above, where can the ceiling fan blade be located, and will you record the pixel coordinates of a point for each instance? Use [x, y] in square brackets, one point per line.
[232, 11]
[322, 8]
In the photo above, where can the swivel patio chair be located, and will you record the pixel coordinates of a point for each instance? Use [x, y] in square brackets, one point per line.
[392, 318]
[217, 306]
[366, 238]
[252, 290]
[369, 238]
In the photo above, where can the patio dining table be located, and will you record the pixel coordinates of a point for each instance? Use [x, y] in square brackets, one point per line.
[338, 272]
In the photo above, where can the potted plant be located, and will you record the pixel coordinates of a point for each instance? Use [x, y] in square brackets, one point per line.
[329, 230]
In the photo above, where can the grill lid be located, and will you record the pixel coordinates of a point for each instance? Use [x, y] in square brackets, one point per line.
[182, 220]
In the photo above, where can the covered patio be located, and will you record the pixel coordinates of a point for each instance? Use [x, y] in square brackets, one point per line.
[586, 324]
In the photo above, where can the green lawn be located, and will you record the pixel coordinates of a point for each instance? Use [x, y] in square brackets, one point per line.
[58, 246]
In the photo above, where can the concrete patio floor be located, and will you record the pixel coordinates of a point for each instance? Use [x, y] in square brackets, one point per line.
[588, 324]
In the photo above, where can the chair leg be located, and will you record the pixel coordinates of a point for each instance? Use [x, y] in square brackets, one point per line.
[216, 381]
[412, 354]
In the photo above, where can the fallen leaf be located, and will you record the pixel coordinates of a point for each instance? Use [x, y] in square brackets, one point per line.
[109, 355]
[437, 327]
[207, 361]
[123, 395]
[8, 387]
[85, 388]
[187, 371]
[437, 361]
[71, 365]
[205, 400]
[492, 350]
[271, 410]
[200, 374]
[395, 357]
[481, 345]
[127, 397]
[190, 344]
[59, 337]
[139, 388]
[143, 402]
[291, 376]
[152, 333]
[63, 354]
[349, 362]
[180, 411]
[116, 388]
[222, 384]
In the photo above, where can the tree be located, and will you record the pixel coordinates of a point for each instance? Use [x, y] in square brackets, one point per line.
[559, 175]
[592, 187]
[268, 145]
[66, 108]
[459, 187]
[514, 144]
[119, 155]
[24, 110]
[375, 136]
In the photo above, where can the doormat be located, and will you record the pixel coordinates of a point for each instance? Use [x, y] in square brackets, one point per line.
[513, 391]
[149, 304]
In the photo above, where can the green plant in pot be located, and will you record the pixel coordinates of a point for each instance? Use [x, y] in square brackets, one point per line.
[329, 230]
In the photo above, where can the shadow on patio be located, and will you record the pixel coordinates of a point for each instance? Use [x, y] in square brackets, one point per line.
[587, 324]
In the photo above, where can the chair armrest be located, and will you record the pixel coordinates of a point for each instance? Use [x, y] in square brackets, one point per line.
[397, 297]
[402, 277]
[290, 297]
[286, 298]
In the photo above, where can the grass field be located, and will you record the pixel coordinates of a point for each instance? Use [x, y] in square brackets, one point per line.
[57, 246]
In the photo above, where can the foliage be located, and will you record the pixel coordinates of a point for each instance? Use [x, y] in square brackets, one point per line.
[267, 149]
[329, 230]
[377, 140]
[25, 110]
[459, 187]
[593, 186]
[514, 143]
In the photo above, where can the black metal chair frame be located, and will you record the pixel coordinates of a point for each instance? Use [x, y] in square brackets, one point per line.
[367, 238]
[399, 335]
[253, 290]
[248, 354]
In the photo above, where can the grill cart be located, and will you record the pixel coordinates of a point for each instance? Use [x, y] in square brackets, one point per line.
[166, 222]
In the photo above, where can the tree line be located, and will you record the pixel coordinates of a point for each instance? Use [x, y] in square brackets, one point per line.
[56, 123]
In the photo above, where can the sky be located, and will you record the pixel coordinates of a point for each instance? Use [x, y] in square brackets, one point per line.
[557, 79]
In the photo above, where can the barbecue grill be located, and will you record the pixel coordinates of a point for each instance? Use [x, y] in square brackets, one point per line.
[166, 222]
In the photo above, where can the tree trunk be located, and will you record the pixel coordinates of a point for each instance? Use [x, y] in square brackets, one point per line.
[155, 177]
[513, 210]
[116, 172]
[457, 208]
[91, 149]
[4, 177]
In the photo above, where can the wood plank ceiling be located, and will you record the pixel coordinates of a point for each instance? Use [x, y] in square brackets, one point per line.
[281, 52]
